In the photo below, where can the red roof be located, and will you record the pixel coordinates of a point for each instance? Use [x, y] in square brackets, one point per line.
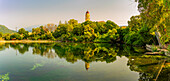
[87, 12]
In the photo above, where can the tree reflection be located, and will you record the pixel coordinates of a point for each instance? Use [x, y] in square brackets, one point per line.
[86, 52]
[149, 67]
[93, 52]
[2, 47]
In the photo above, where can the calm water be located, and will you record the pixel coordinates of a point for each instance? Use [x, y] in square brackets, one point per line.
[77, 62]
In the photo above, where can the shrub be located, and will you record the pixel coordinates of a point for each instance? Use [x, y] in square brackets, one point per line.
[154, 48]
[168, 48]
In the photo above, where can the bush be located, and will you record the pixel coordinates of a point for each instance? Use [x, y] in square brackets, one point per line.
[15, 36]
[154, 48]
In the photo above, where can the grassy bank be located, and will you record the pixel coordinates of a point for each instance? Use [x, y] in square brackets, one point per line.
[26, 41]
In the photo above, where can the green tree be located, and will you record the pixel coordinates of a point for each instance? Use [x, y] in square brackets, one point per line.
[21, 31]
[61, 29]
[154, 14]
[0, 34]
[36, 31]
[135, 23]
[42, 30]
[73, 22]
[7, 36]
[78, 30]
[110, 25]
[101, 28]
[15, 36]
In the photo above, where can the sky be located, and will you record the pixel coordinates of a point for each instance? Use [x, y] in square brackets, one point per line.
[25, 13]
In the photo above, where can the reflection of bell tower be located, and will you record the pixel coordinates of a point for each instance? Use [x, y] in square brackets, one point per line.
[87, 16]
[87, 65]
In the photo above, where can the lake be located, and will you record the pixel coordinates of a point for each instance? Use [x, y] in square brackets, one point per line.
[79, 62]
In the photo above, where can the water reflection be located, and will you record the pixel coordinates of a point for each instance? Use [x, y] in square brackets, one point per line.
[147, 67]
[150, 68]
[73, 52]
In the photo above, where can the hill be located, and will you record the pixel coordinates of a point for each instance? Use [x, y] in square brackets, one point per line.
[4, 29]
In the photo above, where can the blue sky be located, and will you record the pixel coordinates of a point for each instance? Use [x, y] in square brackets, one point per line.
[24, 13]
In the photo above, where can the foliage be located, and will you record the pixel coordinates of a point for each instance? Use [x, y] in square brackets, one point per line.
[135, 23]
[36, 31]
[139, 33]
[72, 22]
[15, 36]
[154, 48]
[155, 14]
[4, 77]
[0, 34]
[23, 33]
[36, 66]
[7, 36]
[168, 48]
[87, 31]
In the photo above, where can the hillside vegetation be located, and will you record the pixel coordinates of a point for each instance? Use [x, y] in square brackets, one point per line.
[4, 29]
[168, 31]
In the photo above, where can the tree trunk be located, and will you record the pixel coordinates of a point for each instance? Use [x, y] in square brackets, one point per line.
[158, 35]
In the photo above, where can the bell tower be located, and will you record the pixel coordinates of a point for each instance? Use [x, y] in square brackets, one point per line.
[87, 16]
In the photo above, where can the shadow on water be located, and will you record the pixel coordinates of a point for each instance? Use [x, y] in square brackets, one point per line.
[146, 66]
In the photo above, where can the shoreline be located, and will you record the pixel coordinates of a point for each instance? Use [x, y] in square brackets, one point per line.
[27, 41]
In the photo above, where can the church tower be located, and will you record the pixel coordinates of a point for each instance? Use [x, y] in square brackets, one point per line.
[87, 16]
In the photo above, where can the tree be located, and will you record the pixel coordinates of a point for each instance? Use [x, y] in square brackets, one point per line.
[60, 22]
[36, 31]
[78, 30]
[0, 34]
[110, 25]
[135, 23]
[7, 36]
[15, 36]
[154, 14]
[21, 31]
[101, 28]
[73, 22]
[42, 30]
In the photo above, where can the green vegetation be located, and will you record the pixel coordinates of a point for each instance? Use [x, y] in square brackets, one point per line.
[4, 29]
[4, 77]
[36, 66]
[150, 27]
[71, 31]
[155, 17]
[168, 31]
[147, 65]
[87, 31]
[154, 48]
[168, 48]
